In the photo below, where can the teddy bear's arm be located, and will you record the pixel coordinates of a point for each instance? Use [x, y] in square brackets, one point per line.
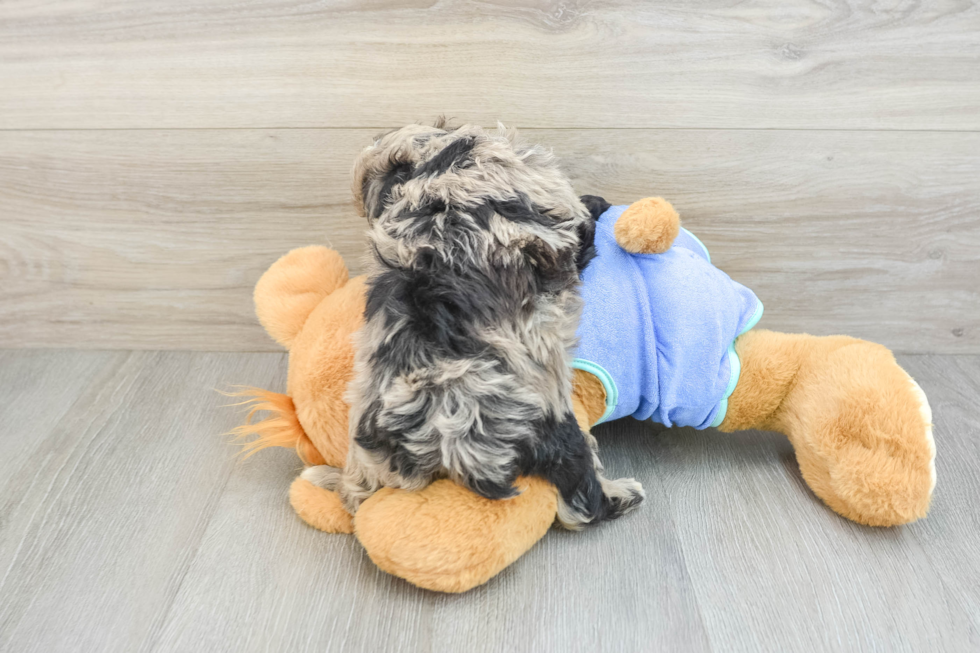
[446, 538]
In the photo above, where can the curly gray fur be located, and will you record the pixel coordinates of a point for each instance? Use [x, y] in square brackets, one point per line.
[462, 366]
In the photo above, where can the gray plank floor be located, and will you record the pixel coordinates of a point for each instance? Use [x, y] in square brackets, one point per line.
[126, 525]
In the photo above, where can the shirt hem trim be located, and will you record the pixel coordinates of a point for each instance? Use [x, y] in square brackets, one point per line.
[698, 241]
[736, 368]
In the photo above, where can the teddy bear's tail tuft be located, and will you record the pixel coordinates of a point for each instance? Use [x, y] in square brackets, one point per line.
[280, 429]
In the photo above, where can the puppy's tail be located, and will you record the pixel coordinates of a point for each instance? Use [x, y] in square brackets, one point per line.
[280, 429]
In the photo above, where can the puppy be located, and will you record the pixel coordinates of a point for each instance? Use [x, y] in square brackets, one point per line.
[462, 365]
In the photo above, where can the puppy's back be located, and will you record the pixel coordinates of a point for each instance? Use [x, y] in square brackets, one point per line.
[462, 366]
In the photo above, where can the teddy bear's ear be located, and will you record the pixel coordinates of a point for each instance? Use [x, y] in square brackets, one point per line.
[293, 286]
[648, 226]
[596, 207]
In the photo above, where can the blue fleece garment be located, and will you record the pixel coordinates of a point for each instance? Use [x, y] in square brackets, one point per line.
[658, 330]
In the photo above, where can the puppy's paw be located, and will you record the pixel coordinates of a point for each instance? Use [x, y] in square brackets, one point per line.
[623, 495]
[323, 476]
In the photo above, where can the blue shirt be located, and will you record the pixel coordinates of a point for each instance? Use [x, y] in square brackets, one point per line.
[658, 330]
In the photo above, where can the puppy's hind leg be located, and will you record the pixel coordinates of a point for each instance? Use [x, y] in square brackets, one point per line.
[584, 496]
[363, 475]
[323, 476]
[355, 483]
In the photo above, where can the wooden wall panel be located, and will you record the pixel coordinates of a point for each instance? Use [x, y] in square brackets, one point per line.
[851, 64]
[154, 238]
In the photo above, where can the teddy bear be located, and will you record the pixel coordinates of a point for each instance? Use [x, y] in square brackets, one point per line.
[860, 426]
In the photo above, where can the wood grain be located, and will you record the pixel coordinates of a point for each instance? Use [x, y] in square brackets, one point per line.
[125, 525]
[549, 63]
[154, 239]
[953, 386]
[262, 580]
[775, 570]
[104, 507]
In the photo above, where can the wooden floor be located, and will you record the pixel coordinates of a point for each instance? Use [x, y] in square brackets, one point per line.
[126, 525]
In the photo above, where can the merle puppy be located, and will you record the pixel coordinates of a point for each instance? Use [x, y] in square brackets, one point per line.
[462, 366]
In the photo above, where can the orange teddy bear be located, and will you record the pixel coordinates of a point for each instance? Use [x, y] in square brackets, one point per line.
[860, 426]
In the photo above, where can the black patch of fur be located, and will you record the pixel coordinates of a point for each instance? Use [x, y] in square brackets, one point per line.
[441, 307]
[386, 443]
[456, 154]
[586, 252]
[518, 209]
[596, 205]
[397, 175]
[562, 457]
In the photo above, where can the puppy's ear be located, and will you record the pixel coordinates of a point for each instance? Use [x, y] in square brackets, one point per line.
[586, 239]
[553, 268]
[376, 174]
[545, 245]
[595, 204]
[383, 166]
[586, 231]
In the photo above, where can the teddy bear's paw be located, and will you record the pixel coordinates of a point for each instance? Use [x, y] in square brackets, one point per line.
[875, 487]
[867, 448]
[320, 508]
[862, 431]
[623, 495]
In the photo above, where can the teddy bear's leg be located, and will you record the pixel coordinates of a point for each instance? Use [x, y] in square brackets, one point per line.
[281, 428]
[321, 509]
[446, 538]
[860, 426]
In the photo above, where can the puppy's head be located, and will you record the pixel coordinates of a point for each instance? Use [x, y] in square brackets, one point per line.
[382, 169]
[460, 192]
